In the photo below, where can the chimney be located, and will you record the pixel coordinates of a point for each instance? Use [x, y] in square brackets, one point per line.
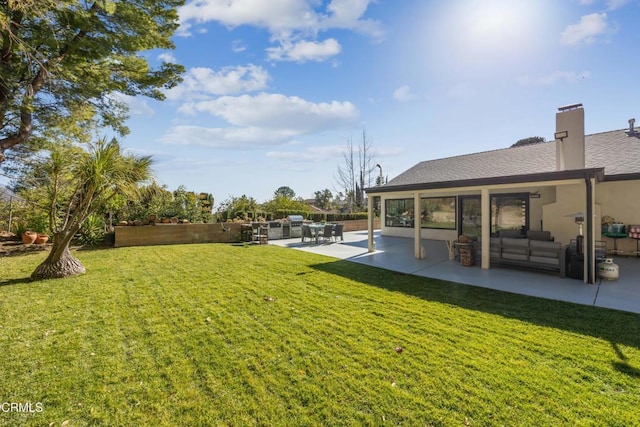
[570, 137]
[631, 130]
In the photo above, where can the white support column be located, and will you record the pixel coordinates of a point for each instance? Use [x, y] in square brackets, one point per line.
[370, 222]
[590, 232]
[485, 208]
[418, 250]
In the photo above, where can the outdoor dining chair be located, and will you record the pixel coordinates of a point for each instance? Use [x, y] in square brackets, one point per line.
[337, 232]
[327, 232]
[306, 233]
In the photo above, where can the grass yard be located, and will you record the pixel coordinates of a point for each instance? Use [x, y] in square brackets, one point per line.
[227, 335]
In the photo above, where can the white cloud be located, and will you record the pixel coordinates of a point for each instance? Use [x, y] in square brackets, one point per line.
[276, 16]
[226, 138]
[304, 51]
[348, 14]
[310, 154]
[554, 78]
[616, 4]
[590, 26]
[404, 94]
[204, 82]
[277, 112]
[261, 120]
[138, 105]
[167, 57]
[292, 23]
[238, 46]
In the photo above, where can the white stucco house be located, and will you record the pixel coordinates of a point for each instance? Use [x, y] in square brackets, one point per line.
[533, 187]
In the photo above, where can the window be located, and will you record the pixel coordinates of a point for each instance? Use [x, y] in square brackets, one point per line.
[399, 213]
[509, 212]
[438, 212]
[470, 218]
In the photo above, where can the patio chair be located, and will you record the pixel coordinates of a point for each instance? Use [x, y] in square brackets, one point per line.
[337, 232]
[306, 233]
[260, 234]
[327, 232]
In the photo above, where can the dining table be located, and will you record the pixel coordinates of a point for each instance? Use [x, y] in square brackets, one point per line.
[316, 228]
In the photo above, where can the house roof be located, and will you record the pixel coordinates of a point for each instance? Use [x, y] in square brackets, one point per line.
[5, 193]
[616, 152]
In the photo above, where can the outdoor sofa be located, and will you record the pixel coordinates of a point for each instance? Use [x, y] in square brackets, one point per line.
[526, 253]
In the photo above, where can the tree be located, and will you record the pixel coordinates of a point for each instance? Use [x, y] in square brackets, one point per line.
[285, 192]
[154, 199]
[233, 206]
[346, 177]
[528, 141]
[64, 64]
[323, 199]
[78, 183]
[282, 206]
[352, 177]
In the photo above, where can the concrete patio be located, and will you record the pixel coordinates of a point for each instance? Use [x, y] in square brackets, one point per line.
[396, 253]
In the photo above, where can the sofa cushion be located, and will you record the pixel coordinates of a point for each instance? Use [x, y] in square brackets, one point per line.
[514, 234]
[540, 235]
[515, 256]
[514, 246]
[544, 249]
[545, 260]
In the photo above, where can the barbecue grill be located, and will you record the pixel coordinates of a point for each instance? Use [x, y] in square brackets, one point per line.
[295, 226]
[275, 230]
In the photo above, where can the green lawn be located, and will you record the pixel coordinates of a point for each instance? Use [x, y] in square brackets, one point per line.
[216, 334]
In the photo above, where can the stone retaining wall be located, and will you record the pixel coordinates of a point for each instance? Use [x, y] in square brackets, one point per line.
[172, 234]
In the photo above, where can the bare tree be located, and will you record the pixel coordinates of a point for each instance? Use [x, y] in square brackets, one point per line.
[367, 165]
[352, 176]
[345, 177]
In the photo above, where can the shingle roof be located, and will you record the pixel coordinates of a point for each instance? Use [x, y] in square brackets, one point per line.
[5, 193]
[615, 151]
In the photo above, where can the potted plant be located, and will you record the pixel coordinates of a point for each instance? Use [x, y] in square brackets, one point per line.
[41, 239]
[606, 223]
[29, 237]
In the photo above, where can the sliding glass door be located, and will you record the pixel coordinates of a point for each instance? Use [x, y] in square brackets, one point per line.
[470, 216]
[508, 212]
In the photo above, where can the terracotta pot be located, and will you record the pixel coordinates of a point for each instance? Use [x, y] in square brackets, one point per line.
[29, 237]
[41, 239]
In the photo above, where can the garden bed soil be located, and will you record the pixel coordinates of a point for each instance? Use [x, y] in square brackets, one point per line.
[11, 245]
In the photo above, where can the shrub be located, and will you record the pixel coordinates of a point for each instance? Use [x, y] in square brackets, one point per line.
[92, 231]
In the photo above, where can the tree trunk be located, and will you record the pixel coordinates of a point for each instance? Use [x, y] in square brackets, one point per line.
[60, 262]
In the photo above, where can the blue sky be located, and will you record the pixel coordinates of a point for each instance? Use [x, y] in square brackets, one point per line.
[275, 88]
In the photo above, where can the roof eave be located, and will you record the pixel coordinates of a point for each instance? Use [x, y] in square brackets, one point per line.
[622, 177]
[597, 173]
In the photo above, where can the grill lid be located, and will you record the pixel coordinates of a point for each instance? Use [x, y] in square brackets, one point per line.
[295, 218]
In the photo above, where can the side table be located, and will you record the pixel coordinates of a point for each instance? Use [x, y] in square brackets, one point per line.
[634, 233]
[615, 237]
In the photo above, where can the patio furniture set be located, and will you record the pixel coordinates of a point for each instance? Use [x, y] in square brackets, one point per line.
[327, 232]
[261, 233]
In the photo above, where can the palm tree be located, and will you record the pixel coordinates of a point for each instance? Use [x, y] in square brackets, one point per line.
[79, 183]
